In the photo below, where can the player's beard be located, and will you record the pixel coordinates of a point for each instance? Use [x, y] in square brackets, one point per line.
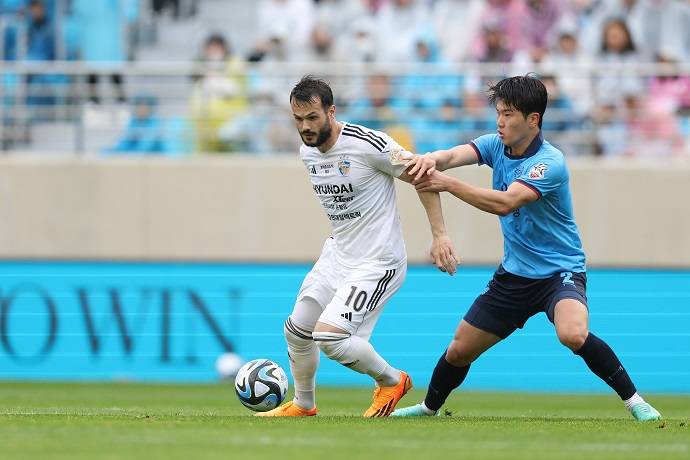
[323, 135]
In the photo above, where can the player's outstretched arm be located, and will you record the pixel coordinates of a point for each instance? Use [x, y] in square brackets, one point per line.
[442, 251]
[497, 202]
[460, 155]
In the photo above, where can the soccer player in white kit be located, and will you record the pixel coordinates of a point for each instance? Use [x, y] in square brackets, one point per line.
[363, 263]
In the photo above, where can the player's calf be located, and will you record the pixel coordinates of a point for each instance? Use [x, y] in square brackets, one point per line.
[304, 360]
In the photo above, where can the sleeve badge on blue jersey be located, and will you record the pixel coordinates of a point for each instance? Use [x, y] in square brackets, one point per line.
[537, 172]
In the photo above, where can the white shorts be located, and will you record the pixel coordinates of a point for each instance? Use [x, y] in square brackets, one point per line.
[346, 298]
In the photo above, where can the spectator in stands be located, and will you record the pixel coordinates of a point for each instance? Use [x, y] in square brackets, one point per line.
[219, 92]
[540, 23]
[40, 36]
[642, 18]
[494, 44]
[669, 92]
[617, 50]
[504, 17]
[675, 30]
[529, 59]
[561, 122]
[339, 15]
[373, 6]
[275, 48]
[144, 132]
[652, 132]
[360, 42]
[611, 131]
[635, 129]
[102, 39]
[439, 129]
[667, 99]
[560, 108]
[583, 19]
[455, 41]
[570, 64]
[429, 90]
[159, 6]
[280, 18]
[379, 107]
[321, 45]
[477, 116]
[398, 24]
[265, 128]
[40, 33]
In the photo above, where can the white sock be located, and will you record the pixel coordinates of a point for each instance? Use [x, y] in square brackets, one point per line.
[359, 355]
[304, 360]
[426, 409]
[389, 377]
[635, 399]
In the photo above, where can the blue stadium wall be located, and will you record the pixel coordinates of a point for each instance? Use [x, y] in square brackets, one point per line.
[170, 321]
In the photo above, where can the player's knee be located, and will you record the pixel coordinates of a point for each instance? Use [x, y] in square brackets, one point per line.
[332, 344]
[573, 336]
[459, 356]
[297, 336]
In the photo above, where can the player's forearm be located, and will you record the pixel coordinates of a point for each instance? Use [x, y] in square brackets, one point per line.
[460, 155]
[487, 200]
[442, 158]
[434, 213]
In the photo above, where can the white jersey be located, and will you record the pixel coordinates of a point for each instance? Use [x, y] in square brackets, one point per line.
[354, 181]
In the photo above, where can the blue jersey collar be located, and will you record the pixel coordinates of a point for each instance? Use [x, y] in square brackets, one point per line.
[532, 148]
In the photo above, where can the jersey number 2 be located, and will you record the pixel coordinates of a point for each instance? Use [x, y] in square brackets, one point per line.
[567, 278]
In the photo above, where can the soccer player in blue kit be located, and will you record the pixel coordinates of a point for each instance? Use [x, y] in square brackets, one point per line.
[543, 267]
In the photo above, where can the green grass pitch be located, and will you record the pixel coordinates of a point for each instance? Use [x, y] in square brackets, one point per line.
[136, 421]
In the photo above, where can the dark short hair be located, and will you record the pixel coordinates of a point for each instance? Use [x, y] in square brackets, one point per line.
[217, 39]
[526, 94]
[310, 88]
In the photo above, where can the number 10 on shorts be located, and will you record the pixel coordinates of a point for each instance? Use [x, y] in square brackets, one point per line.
[358, 300]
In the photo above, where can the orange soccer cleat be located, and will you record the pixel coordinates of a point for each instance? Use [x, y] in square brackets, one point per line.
[288, 409]
[385, 398]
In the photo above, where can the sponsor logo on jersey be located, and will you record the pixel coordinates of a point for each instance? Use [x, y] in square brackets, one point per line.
[344, 167]
[347, 216]
[537, 172]
[332, 189]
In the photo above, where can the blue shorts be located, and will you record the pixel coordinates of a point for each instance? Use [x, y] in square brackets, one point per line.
[510, 300]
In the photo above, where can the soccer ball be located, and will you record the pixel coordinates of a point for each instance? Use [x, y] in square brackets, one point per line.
[261, 385]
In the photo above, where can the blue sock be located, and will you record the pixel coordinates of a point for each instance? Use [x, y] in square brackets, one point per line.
[601, 359]
[445, 379]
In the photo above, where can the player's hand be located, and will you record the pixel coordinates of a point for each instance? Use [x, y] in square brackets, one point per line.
[419, 165]
[434, 182]
[443, 254]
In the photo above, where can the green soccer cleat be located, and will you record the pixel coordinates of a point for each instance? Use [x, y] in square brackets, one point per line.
[413, 411]
[643, 412]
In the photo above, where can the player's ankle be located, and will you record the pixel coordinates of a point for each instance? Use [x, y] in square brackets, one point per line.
[633, 400]
[389, 378]
[426, 409]
[302, 405]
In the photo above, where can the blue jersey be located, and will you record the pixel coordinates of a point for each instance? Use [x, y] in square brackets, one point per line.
[540, 238]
